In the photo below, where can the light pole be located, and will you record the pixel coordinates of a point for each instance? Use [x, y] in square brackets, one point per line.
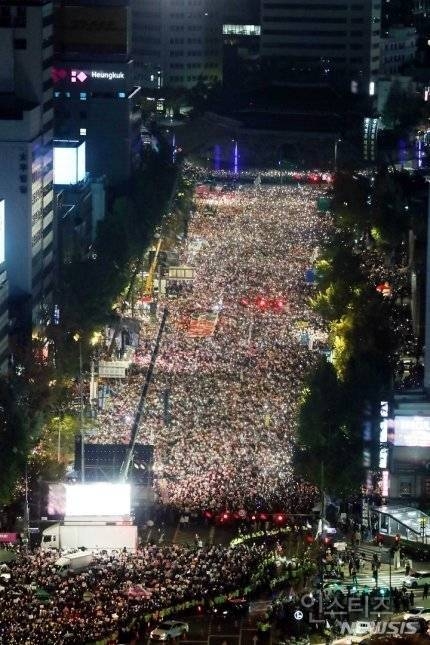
[77, 339]
[26, 510]
[59, 441]
[336, 143]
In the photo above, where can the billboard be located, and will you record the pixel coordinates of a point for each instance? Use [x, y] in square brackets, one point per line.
[412, 431]
[69, 163]
[2, 232]
[101, 498]
[92, 29]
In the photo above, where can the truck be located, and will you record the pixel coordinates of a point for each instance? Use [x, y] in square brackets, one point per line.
[73, 562]
[75, 534]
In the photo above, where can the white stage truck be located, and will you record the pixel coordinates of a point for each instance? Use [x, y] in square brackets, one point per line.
[97, 517]
[96, 533]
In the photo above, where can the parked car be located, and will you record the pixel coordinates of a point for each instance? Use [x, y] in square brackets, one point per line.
[168, 630]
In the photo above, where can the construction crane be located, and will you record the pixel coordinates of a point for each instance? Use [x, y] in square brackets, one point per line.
[139, 412]
[149, 282]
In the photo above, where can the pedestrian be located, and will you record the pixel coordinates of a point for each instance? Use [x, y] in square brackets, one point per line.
[411, 598]
[354, 575]
[407, 568]
[425, 590]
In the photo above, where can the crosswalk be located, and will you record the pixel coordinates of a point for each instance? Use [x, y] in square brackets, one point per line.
[365, 579]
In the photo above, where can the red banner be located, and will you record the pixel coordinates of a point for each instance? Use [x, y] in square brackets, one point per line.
[8, 537]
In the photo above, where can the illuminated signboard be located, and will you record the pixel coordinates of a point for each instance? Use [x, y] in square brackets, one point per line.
[69, 163]
[2, 232]
[385, 483]
[383, 435]
[81, 76]
[101, 498]
[412, 431]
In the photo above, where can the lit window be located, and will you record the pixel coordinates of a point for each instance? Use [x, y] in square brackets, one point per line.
[83, 132]
[83, 96]
[121, 95]
[372, 88]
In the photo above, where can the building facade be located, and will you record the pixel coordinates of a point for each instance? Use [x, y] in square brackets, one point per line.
[398, 48]
[177, 43]
[320, 41]
[26, 134]
[94, 93]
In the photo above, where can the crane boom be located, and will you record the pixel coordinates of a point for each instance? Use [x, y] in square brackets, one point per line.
[149, 282]
[139, 412]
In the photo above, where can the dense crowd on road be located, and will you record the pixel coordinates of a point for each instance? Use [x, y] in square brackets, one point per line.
[222, 409]
[96, 602]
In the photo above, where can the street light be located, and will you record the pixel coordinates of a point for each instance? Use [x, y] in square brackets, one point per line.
[77, 339]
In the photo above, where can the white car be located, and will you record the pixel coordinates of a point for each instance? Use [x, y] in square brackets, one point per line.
[168, 630]
[417, 579]
[417, 612]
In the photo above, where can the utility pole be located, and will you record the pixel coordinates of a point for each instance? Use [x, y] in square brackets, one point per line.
[26, 510]
[81, 405]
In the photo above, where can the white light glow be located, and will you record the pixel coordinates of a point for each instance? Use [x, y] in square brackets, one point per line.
[372, 88]
[69, 164]
[412, 431]
[385, 483]
[101, 498]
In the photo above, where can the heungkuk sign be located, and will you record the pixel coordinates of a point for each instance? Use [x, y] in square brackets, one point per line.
[81, 76]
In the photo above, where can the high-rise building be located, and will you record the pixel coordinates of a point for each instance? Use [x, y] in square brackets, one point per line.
[94, 93]
[26, 133]
[177, 43]
[315, 40]
[4, 297]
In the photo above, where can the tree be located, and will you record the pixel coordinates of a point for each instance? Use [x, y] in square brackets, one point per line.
[402, 108]
[324, 440]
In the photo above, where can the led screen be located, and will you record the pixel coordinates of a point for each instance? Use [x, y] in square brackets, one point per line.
[98, 499]
[412, 431]
[69, 164]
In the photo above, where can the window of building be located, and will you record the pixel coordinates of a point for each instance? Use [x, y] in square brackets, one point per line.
[83, 132]
[121, 95]
[405, 488]
[82, 96]
[20, 43]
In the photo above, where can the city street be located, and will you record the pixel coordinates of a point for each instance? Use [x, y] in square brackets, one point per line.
[221, 410]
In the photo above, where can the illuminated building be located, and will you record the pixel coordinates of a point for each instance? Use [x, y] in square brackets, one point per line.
[177, 43]
[94, 94]
[410, 449]
[26, 122]
[4, 296]
[335, 41]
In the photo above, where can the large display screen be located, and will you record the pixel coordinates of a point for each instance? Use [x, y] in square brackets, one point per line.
[100, 498]
[69, 164]
[412, 431]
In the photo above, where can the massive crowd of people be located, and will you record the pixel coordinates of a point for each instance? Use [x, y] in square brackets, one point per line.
[38, 606]
[221, 410]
